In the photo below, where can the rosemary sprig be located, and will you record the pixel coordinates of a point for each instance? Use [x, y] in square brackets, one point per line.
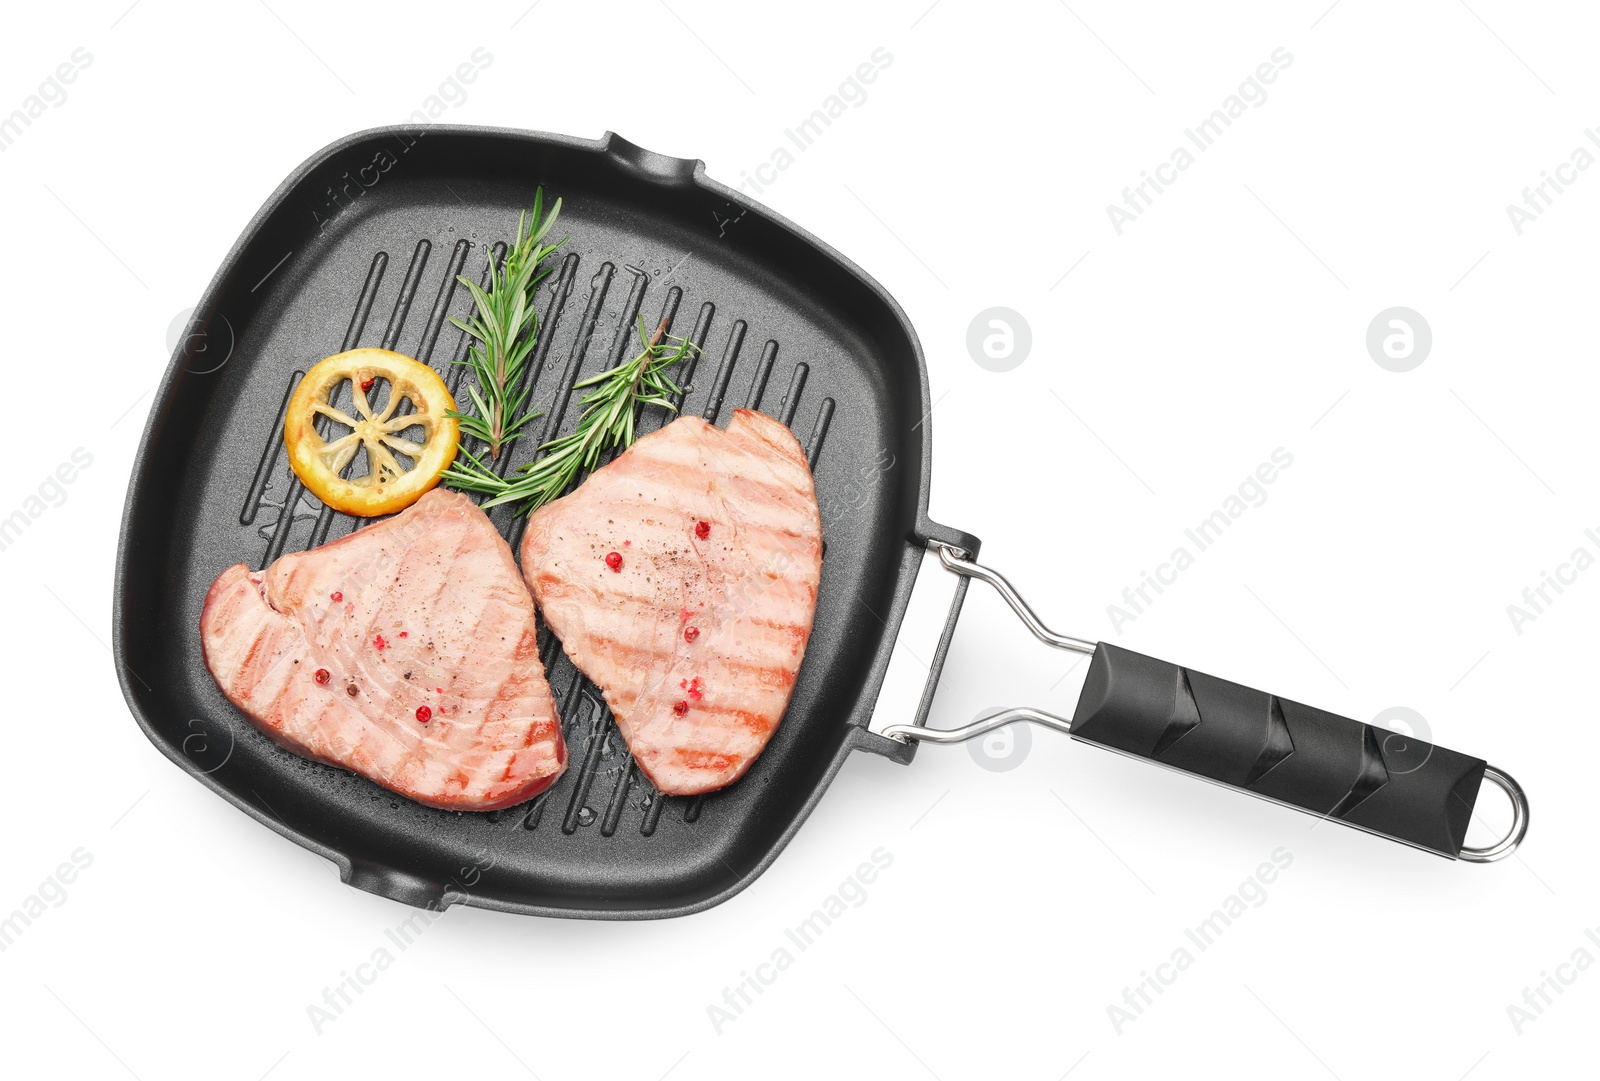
[506, 327]
[609, 411]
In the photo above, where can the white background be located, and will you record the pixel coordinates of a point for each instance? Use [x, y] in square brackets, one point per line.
[1227, 321]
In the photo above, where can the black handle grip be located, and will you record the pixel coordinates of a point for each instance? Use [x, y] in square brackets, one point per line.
[1371, 778]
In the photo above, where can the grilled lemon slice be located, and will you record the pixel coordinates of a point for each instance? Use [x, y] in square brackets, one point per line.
[400, 465]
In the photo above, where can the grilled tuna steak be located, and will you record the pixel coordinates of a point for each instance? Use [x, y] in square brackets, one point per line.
[682, 579]
[405, 652]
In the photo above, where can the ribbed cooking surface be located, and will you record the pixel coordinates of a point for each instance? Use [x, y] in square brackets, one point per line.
[602, 790]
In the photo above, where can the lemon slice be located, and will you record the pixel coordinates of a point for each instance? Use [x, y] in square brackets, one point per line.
[400, 467]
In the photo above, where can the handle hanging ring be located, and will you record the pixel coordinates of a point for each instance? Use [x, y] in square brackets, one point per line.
[1519, 820]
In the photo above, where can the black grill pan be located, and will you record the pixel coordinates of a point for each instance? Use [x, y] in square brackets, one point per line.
[360, 246]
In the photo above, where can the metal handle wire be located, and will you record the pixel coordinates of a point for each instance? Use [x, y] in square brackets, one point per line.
[978, 727]
[956, 561]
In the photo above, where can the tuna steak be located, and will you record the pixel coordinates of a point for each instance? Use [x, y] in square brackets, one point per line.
[405, 652]
[682, 579]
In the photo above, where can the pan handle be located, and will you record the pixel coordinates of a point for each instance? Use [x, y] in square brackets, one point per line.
[1331, 766]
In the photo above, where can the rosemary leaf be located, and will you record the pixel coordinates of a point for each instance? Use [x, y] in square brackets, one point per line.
[506, 328]
[607, 422]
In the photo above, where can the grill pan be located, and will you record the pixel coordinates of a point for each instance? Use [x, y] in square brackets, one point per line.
[361, 246]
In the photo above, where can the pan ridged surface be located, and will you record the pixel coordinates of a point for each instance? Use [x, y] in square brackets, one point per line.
[405, 652]
[682, 579]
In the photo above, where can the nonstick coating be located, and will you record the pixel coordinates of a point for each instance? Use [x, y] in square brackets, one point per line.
[359, 247]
